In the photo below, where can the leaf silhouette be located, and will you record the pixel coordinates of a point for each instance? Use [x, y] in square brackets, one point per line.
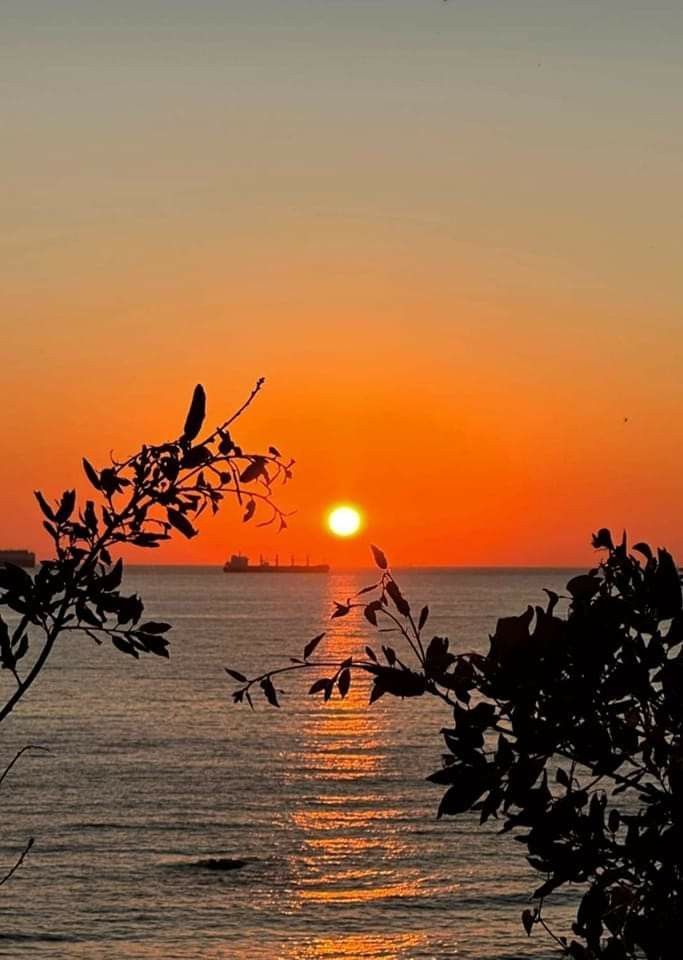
[390, 655]
[528, 921]
[253, 470]
[269, 691]
[344, 682]
[125, 646]
[226, 445]
[645, 549]
[92, 474]
[370, 611]
[311, 645]
[195, 415]
[236, 675]
[22, 649]
[400, 601]
[155, 626]
[66, 506]
[44, 505]
[380, 559]
[181, 523]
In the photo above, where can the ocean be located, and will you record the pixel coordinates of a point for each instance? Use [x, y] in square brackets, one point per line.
[153, 769]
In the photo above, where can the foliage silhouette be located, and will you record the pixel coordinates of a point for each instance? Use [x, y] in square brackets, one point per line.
[140, 501]
[569, 731]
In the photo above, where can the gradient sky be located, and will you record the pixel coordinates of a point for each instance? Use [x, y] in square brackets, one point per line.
[448, 234]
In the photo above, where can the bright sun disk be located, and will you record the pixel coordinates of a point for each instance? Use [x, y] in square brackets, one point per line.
[344, 521]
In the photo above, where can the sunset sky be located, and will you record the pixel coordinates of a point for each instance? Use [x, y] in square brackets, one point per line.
[448, 234]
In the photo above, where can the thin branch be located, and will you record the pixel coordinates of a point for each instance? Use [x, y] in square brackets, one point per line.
[29, 746]
[417, 637]
[31, 676]
[19, 862]
[307, 665]
[403, 630]
[238, 413]
[547, 928]
[250, 399]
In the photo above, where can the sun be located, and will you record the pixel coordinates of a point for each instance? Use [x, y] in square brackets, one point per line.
[344, 521]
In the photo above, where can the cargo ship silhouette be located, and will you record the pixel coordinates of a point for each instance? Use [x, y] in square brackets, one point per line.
[20, 558]
[240, 564]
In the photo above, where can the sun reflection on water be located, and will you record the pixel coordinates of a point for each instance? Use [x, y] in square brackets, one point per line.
[357, 894]
[344, 946]
[355, 946]
[350, 838]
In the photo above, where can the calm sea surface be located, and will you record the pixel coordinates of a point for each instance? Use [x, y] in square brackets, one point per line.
[152, 768]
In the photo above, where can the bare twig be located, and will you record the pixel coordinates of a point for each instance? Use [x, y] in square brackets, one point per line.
[29, 746]
[19, 862]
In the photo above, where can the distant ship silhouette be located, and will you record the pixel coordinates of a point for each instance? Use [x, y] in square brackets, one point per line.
[240, 564]
[20, 558]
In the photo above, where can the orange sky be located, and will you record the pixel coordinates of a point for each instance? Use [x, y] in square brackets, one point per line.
[447, 237]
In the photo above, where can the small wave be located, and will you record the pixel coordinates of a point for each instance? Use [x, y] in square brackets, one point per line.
[216, 864]
[41, 938]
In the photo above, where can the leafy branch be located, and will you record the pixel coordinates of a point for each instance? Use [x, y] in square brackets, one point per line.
[141, 501]
[428, 674]
[159, 491]
[562, 716]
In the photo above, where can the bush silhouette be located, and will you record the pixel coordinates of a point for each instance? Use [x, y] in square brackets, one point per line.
[569, 732]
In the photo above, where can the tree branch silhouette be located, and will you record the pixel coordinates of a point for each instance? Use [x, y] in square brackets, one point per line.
[570, 729]
[158, 492]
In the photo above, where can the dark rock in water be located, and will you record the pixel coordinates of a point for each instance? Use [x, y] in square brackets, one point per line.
[221, 863]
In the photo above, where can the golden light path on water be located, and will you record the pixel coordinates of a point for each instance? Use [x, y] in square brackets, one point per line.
[355, 946]
[345, 946]
[354, 848]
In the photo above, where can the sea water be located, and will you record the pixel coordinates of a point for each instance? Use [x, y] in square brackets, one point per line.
[153, 769]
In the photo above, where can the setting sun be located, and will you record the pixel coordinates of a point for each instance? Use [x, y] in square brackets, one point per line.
[344, 521]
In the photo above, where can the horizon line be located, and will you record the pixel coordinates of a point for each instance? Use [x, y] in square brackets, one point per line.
[413, 566]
